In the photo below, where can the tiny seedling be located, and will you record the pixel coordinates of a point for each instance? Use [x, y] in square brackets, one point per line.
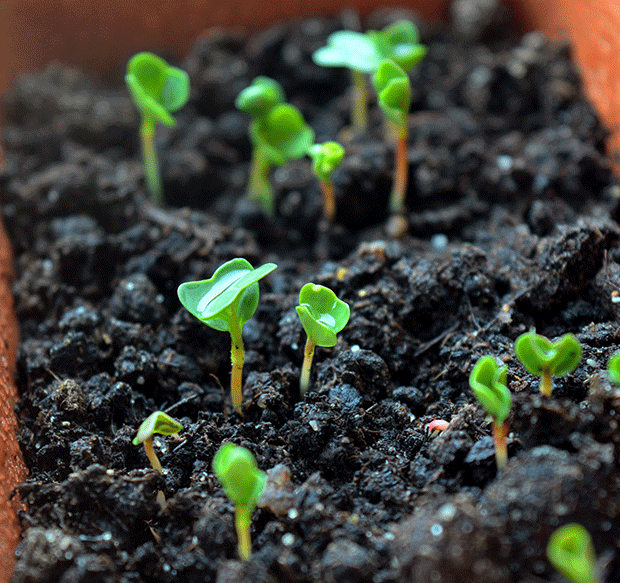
[158, 422]
[488, 382]
[158, 90]
[225, 303]
[243, 483]
[613, 369]
[256, 101]
[547, 359]
[571, 552]
[399, 42]
[322, 315]
[325, 159]
[394, 90]
[436, 426]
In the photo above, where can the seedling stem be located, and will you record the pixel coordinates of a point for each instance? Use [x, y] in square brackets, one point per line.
[500, 433]
[259, 187]
[237, 357]
[151, 166]
[401, 173]
[359, 107]
[329, 200]
[243, 520]
[304, 381]
[150, 453]
[546, 382]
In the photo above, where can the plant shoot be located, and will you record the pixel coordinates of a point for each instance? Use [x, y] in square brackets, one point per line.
[225, 303]
[571, 552]
[394, 90]
[613, 369]
[243, 483]
[488, 382]
[322, 315]
[158, 90]
[325, 159]
[547, 359]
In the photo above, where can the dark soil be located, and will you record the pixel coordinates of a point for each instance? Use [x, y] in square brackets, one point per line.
[513, 210]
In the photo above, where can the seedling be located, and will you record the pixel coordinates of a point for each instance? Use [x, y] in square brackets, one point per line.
[613, 369]
[571, 552]
[436, 426]
[243, 483]
[226, 302]
[257, 101]
[325, 159]
[488, 382]
[158, 90]
[394, 90]
[362, 54]
[546, 359]
[322, 315]
[163, 424]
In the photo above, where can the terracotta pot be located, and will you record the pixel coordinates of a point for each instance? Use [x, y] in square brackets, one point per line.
[99, 36]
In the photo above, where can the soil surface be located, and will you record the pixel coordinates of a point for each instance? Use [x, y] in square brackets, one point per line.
[513, 224]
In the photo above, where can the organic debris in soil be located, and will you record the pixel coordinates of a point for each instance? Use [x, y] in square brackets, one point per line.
[511, 200]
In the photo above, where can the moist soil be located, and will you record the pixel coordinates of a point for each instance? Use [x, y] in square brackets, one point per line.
[513, 210]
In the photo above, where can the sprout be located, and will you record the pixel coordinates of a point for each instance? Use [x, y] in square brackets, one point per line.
[544, 358]
[488, 382]
[394, 89]
[613, 369]
[571, 552]
[163, 424]
[325, 159]
[322, 315]
[157, 89]
[436, 426]
[226, 302]
[278, 133]
[363, 53]
[243, 483]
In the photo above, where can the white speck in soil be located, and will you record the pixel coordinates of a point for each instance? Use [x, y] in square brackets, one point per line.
[288, 539]
[436, 529]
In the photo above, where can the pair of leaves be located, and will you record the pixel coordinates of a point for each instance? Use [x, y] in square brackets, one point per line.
[488, 382]
[538, 354]
[238, 472]
[322, 314]
[257, 100]
[394, 90]
[158, 422]
[364, 52]
[156, 88]
[232, 292]
[326, 158]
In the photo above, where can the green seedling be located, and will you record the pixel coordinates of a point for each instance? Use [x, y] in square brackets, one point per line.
[362, 54]
[163, 424]
[571, 552]
[256, 101]
[225, 303]
[488, 382]
[394, 90]
[547, 359]
[243, 483]
[613, 369]
[325, 159]
[158, 90]
[322, 315]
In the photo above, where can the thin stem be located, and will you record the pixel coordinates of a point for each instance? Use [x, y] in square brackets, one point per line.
[149, 157]
[304, 381]
[401, 174]
[500, 432]
[237, 357]
[242, 525]
[150, 453]
[329, 200]
[359, 101]
[259, 187]
[546, 383]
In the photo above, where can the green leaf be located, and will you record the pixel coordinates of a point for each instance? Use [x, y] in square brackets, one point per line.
[570, 551]
[232, 291]
[157, 422]
[394, 90]
[156, 88]
[400, 43]
[538, 353]
[260, 97]
[237, 470]
[346, 48]
[282, 134]
[613, 369]
[326, 158]
[488, 382]
[322, 314]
